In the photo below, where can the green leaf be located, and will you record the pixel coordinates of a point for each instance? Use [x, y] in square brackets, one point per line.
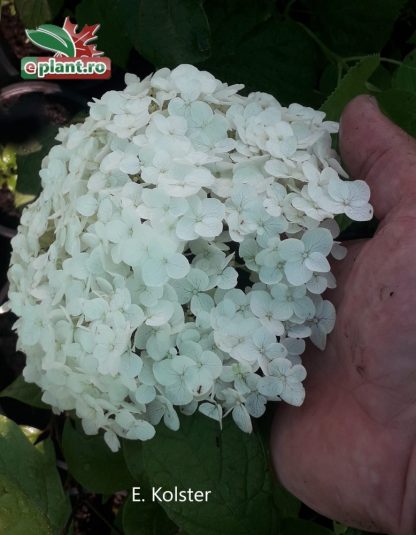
[92, 463]
[400, 106]
[351, 85]
[231, 21]
[353, 27]
[30, 477]
[381, 78]
[31, 433]
[339, 529]
[278, 58]
[146, 518]
[35, 12]
[28, 393]
[113, 37]
[169, 32]
[295, 526]
[58, 504]
[412, 39]
[29, 162]
[53, 38]
[133, 454]
[287, 505]
[343, 221]
[405, 75]
[231, 465]
[18, 515]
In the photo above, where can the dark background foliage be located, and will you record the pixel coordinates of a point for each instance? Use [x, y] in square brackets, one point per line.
[320, 53]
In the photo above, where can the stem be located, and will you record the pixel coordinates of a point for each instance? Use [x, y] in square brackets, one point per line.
[327, 52]
[100, 516]
[288, 8]
[382, 59]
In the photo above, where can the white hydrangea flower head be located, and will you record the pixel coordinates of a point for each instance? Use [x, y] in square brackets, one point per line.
[177, 255]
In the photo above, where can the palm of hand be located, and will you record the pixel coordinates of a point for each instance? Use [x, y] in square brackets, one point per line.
[350, 450]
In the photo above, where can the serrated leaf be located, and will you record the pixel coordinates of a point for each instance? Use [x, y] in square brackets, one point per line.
[405, 75]
[168, 32]
[52, 38]
[351, 85]
[30, 481]
[28, 393]
[35, 12]
[400, 106]
[229, 463]
[356, 27]
[276, 57]
[92, 463]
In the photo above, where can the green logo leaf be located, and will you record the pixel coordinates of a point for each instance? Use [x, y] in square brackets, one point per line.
[53, 38]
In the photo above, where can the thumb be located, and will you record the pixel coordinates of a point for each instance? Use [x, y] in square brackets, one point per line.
[376, 150]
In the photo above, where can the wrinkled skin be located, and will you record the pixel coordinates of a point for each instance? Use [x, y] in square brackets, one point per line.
[350, 451]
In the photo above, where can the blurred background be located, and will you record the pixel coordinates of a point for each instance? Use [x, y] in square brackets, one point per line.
[320, 53]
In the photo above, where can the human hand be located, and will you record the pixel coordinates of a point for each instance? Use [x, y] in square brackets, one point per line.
[350, 451]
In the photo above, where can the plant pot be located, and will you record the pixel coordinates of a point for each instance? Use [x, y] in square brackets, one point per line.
[26, 109]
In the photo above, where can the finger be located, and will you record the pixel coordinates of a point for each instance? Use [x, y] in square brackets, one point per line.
[376, 150]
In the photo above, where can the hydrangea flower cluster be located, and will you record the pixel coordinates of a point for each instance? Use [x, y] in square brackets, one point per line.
[176, 257]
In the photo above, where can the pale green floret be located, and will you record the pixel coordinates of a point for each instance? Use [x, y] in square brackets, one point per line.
[124, 272]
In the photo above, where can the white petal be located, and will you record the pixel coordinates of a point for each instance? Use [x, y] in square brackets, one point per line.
[86, 205]
[141, 430]
[177, 266]
[209, 227]
[160, 314]
[170, 419]
[304, 308]
[211, 410]
[242, 418]
[359, 213]
[185, 229]
[260, 303]
[130, 164]
[154, 273]
[145, 394]
[297, 273]
[178, 394]
[112, 440]
[318, 240]
[256, 405]
[270, 386]
[294, 396]
[116, 231]
[317, 262]
[164, 373]
[291, 249]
